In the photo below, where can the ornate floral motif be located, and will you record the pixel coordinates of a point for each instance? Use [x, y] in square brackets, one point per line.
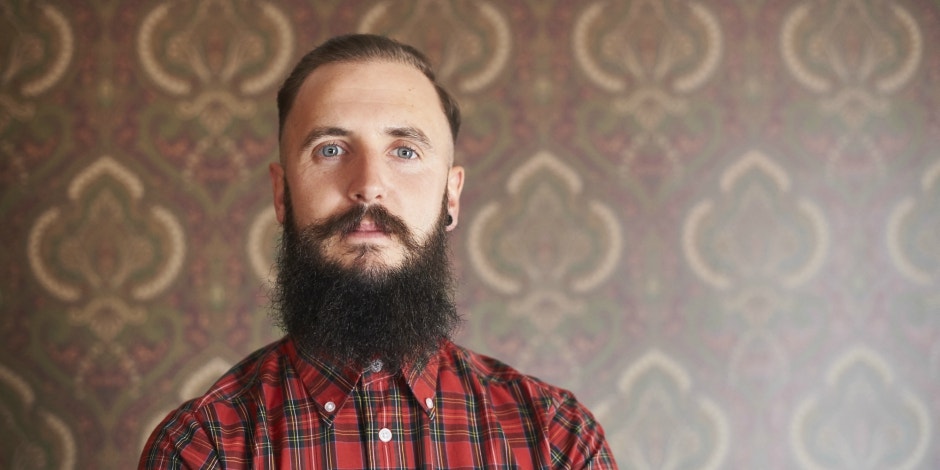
[862, 418]
[760, 235]
[553, 246]
[851, 52]
[853, 55]
[661, 422]
[107, 253]
[214, 48]
[649, 55]
[649, 47]
[215, 64]
[757, 243]
[547, 248]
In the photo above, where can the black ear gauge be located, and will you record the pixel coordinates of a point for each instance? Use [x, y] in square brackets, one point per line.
[450, 220]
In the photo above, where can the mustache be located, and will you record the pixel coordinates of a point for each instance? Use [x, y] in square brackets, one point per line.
[346, 222]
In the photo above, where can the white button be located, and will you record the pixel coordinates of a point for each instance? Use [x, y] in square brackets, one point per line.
[385, 435]
[329, 407]
[429, 402]
[376, 366]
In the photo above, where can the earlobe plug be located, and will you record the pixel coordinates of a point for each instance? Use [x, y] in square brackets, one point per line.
[450, 220]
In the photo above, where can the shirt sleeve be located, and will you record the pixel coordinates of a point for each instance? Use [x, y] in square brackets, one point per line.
[179, 442]
[577, 440]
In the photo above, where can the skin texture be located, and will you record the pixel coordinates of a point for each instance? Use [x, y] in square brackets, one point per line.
[367, 133]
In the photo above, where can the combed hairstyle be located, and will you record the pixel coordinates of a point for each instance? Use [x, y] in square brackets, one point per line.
[361, 48]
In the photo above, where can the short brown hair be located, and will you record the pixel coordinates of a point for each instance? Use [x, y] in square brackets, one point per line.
[360, 48]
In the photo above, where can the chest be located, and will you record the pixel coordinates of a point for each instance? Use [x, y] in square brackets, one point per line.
[382, 424]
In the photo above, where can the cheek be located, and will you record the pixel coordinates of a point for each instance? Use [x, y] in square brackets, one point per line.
[311, 201]
[429, 212]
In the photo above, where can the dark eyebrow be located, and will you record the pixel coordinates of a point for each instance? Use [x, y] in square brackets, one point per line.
[318, 133]
[412, 133]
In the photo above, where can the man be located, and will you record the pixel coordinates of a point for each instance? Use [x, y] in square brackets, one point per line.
[367, 376]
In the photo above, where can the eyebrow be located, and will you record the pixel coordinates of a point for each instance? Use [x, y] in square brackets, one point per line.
[412, 133]
[318, 133]
[406, 132]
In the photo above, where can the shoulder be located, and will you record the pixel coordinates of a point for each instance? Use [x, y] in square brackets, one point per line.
[525, 405]
[499, 378]
[265, 366]
[191, 433]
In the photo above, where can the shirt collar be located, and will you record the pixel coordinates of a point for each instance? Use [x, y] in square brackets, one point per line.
[330, 386]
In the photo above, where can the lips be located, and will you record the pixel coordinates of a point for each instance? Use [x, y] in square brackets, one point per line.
[368, 227]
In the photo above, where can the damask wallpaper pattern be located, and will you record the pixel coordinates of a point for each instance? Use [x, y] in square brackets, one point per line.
[717, 221]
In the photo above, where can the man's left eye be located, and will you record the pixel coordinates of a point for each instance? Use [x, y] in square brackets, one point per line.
[405, 153]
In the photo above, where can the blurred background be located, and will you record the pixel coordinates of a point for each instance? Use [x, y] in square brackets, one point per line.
[716, 221]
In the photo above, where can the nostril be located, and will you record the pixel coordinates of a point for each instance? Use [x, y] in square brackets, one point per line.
[367, 194]
[364, 196]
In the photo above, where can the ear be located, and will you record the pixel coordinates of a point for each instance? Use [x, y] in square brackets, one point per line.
[454, 186]
[277, 185]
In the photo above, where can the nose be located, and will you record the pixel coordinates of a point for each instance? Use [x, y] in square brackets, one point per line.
[366, 179]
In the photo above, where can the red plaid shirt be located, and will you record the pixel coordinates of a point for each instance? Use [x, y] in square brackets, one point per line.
[462, 410]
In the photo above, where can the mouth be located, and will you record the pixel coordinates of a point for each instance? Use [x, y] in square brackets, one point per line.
[366, 225]
[367, 229]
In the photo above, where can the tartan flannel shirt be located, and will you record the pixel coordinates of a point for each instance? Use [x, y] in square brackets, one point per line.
[277, 409]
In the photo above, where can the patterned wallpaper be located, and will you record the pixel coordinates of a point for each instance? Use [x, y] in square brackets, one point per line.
[716, 221]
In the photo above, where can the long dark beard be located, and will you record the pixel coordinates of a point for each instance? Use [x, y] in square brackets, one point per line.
[355, 315]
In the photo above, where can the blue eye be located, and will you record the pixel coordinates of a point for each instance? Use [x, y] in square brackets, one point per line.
[330, 150]
[405, 153]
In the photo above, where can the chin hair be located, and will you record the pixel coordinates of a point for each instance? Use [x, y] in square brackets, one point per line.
[367, 310]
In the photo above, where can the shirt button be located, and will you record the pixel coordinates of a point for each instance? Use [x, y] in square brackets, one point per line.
[376, 366]
[385, 435]
[329, 407]
[429, 402]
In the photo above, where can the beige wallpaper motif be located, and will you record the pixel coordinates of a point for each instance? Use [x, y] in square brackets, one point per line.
[717, 221]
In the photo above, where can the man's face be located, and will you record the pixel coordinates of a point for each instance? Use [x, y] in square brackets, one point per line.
[367, 133]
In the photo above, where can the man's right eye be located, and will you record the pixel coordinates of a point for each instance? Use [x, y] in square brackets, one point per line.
[330, 150]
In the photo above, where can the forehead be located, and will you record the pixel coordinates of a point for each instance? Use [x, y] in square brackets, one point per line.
[388, 93]
[368, 74]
